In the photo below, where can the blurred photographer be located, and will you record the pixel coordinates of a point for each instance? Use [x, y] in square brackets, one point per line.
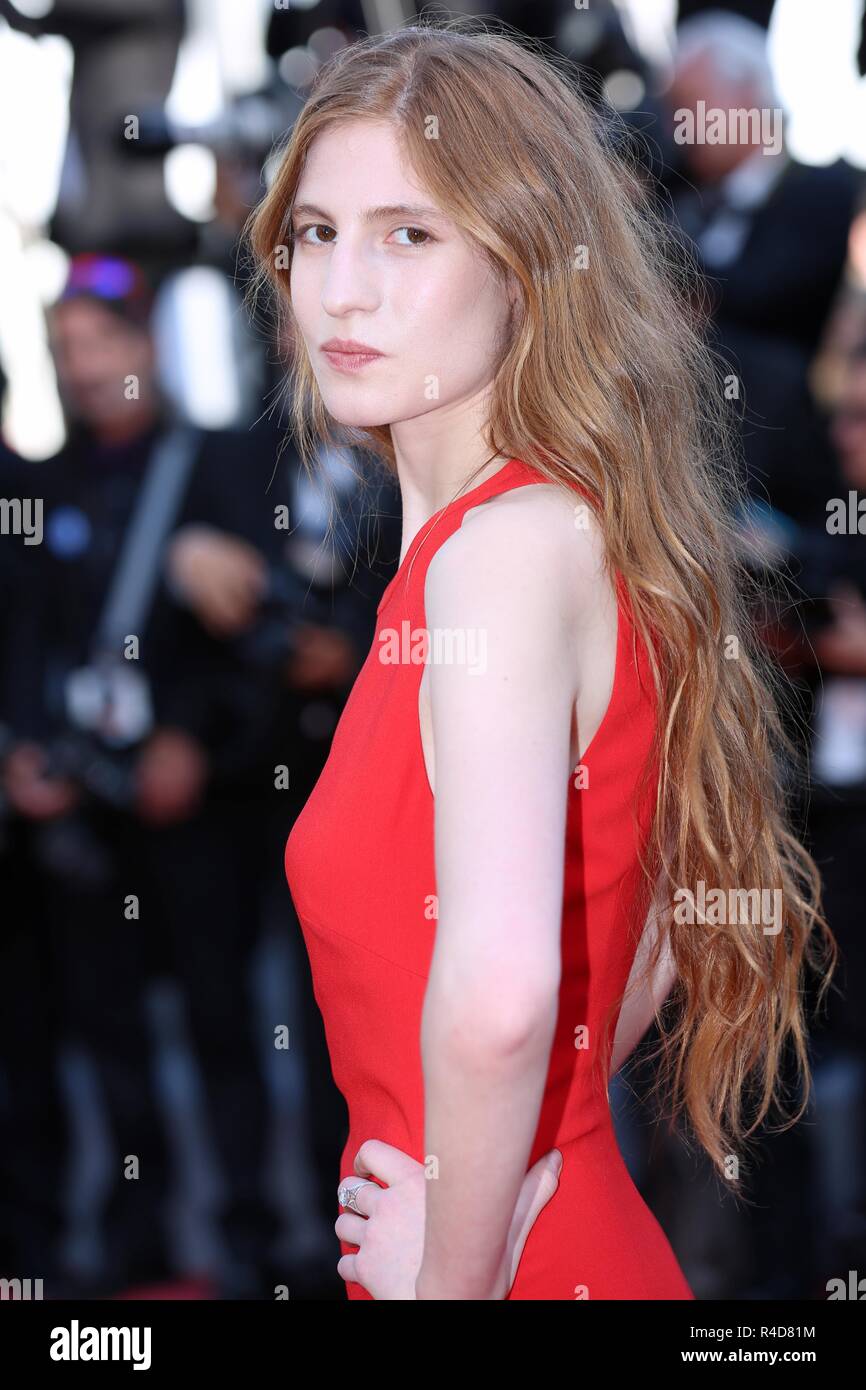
[769, 233]
[130, 731]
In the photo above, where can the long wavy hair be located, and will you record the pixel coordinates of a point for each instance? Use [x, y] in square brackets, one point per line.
[606, 383]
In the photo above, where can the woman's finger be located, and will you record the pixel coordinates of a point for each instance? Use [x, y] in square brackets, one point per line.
[377, 1159]
[347, 1269]
[539, 1185]
[350, 1227]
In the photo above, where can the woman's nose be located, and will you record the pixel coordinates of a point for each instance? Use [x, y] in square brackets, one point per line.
[350, 282]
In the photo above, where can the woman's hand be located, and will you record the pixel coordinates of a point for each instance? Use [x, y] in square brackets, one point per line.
[390, 1230]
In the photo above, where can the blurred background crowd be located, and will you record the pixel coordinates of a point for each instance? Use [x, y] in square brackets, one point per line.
[168, 1120]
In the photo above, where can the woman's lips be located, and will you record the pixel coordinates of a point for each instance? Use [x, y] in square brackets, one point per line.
[351, 361]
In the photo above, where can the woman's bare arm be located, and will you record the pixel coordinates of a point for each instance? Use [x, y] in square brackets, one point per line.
[501, 737]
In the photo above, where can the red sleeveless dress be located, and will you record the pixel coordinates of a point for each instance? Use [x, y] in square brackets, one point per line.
[360, 865]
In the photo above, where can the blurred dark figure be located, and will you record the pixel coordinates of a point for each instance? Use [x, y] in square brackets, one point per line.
[123, 774]
[770, 235]
[33, 1133]
[838, 835]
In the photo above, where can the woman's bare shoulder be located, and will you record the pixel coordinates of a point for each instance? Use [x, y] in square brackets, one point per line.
[540, 539]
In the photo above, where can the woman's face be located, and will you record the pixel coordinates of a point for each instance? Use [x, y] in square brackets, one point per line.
[375, 262]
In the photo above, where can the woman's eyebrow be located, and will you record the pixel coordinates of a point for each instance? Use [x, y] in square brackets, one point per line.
[374, 214]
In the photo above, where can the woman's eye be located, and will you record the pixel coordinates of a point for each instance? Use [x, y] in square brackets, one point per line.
[300, 233]
[418, 231]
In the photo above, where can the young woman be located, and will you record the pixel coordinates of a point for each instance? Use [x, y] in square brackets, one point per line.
[560, 748]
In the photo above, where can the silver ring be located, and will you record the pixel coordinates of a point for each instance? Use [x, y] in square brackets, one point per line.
[347, 1195]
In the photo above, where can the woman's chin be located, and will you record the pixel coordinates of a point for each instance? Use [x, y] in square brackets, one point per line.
[358, 415]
